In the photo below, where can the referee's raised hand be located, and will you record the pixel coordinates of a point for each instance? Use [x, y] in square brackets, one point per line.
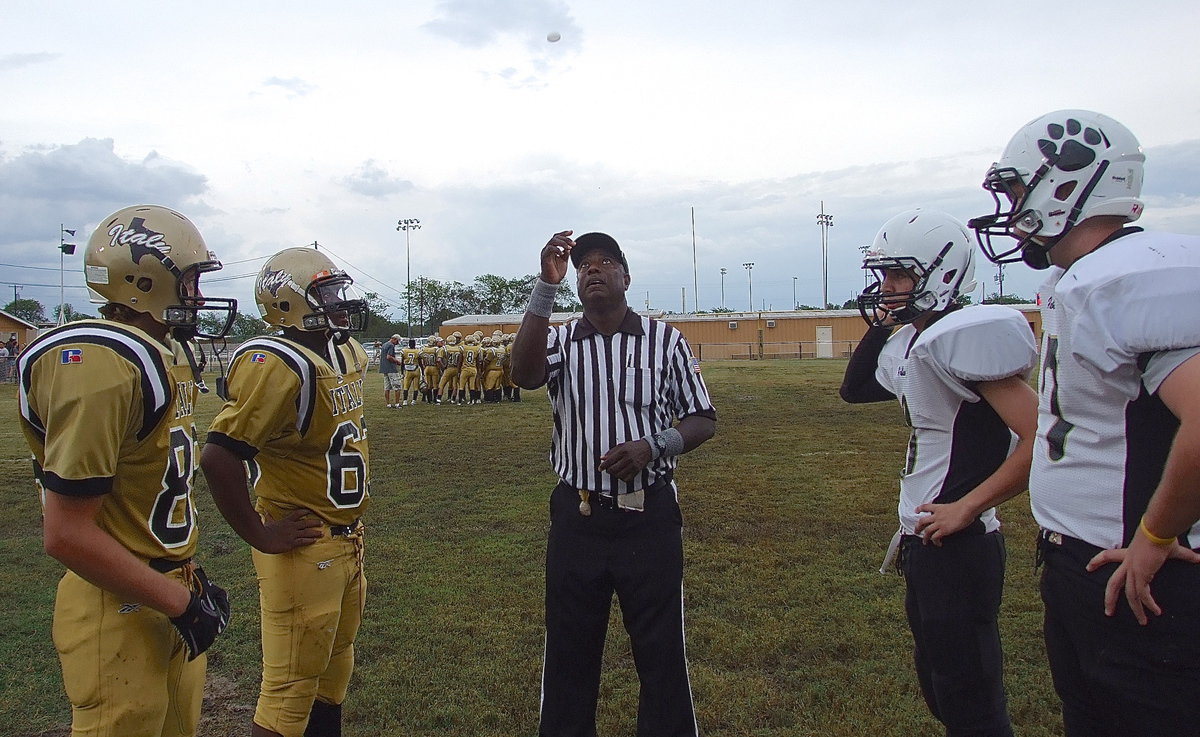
[556, 257]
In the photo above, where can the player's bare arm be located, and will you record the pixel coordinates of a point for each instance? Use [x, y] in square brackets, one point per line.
[1174, 507]
[628, 459]
[529, 347]
[1016, 404]
[227, 481]
[74, 539]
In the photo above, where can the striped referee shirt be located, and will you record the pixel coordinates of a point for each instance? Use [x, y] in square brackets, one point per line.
[608, 389]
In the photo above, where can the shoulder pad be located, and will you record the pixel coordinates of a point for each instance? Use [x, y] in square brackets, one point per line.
[982, 343]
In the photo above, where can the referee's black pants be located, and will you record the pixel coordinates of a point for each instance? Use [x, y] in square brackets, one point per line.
[1117, 678]
[952, 599]
[639, 556]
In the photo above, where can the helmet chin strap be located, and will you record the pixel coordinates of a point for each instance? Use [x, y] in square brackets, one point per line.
[186, 344]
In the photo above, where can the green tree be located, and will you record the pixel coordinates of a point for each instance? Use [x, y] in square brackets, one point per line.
[29, 310]
[71, 315]
[1008, 299]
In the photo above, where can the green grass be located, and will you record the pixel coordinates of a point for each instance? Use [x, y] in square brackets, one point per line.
[791, 629]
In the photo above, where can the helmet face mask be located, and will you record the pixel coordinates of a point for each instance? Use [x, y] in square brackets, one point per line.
[1058, 170]
[934, 250]
[150, 258]
[300, 288]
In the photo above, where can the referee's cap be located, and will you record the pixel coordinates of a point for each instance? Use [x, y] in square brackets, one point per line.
[589, 242]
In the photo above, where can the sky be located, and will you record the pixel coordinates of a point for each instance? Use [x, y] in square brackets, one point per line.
[278, 124]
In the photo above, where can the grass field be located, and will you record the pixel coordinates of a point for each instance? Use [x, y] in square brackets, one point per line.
[791, 629]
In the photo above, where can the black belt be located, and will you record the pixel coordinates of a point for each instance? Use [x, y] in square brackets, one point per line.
[344, 530]
[608, 499]
[166, 565]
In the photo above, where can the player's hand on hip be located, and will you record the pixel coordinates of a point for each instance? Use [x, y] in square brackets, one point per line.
[1139, 563]
[942, 520]
[556, 256]
[298, 528]
[627, 459]
[206, 616]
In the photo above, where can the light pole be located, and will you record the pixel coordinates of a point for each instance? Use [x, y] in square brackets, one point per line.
[750, 277]
[64, 249]
[795, 304]
[722, 288]
[406, 225]
[825, 222]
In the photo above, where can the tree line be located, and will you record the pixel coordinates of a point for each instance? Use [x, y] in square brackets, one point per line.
[432, 303]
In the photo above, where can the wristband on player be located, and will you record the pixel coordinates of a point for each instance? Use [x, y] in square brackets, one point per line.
[541, 302]
[1160, 541]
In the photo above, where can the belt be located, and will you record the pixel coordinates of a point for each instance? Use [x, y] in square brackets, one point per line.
[608, 499]
[344, 530]
[166, 565]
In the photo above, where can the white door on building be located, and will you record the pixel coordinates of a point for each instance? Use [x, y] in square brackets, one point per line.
[824, 341]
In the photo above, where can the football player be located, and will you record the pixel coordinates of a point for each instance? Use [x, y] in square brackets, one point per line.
[107, 410]
[468, 384]
[961, 376]
[430, 372]
[410, 358]
[292, 431]
[1116, 472]
[450, 355]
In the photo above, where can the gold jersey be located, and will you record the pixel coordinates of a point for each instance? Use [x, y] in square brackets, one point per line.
[429, 356]
[451, 355]
[299, 425]
[107, 409]
[472, 356]
[411, 358]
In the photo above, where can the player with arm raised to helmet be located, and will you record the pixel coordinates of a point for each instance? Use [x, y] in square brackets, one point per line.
[107, 409]
[292, 432]
[960, 375]
[1116, 462]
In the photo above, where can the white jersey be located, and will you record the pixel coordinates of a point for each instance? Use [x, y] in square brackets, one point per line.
[1115, 325]
[957, 440]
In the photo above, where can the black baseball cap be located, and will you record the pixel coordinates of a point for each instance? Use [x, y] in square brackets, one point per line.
[589, 242]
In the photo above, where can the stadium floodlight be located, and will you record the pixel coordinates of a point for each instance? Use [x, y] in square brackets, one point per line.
[406, 225]
[825, 222]
[750, 278]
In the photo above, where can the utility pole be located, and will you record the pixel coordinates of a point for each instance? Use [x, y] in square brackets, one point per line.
[406, 225]
[722, 288]
[64, 249]
[750, 278]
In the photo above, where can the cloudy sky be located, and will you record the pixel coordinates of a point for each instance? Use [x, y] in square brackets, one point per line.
[276, 124]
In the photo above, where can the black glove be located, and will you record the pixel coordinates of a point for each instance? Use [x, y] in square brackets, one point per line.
[206, 616]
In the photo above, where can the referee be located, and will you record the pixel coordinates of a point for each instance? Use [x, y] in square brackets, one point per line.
[616, 383]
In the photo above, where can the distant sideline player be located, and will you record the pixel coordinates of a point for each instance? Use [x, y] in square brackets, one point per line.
[107, 409]
[961, 378]
[1116, 465]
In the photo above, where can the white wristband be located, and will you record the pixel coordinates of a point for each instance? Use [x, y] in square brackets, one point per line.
[541, 302]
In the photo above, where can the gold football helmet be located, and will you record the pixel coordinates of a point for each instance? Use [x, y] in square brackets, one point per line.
[150, 258]
[301, 288]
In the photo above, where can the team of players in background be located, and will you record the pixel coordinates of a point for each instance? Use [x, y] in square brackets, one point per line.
[457, 370]
[1113, 467]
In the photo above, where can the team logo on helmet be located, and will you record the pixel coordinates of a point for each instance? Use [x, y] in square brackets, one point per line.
[142, 241]
[273, 281]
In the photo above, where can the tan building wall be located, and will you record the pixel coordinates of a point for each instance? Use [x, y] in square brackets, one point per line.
[742, 335]
[24, 331]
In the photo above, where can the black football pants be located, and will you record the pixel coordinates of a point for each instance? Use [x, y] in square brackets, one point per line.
[952, 600]
[638, 556]
[1114, 676]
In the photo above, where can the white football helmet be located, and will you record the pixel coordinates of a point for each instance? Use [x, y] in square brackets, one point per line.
[150, 258]
[935, 248]
[301, 288]
[1058, 170]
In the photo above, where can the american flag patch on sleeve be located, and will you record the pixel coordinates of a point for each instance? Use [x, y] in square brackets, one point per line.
[695, 365]
[71, 355]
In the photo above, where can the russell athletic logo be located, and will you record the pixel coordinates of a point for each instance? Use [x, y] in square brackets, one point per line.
[72, 355]
[258, 358]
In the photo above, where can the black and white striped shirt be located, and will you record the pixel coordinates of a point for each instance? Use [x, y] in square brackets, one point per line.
[606, 390]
